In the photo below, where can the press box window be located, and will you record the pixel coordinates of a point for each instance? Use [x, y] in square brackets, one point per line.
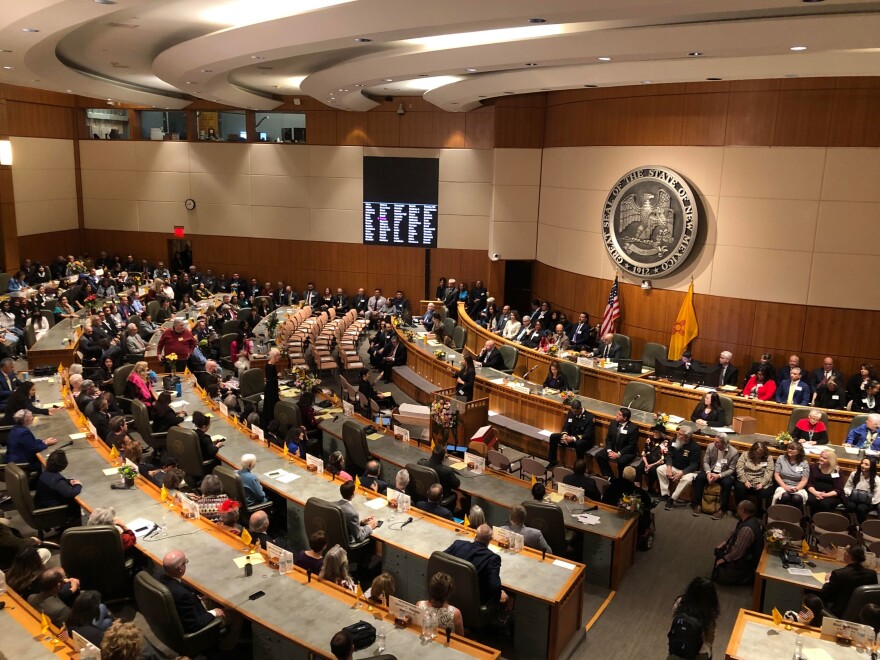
[163, 125]
[107, 123]
[281, 127]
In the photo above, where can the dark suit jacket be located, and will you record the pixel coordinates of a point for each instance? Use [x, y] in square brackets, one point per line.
[191, 610]
[818, 375]
[731, 376]
[801, 396]
[493, 360]
[585, 482]
[715, 418]
[580, 426]
[7, 387]
[54, 489]
[436, 509]
[613, 351]
[582, 337]
[487, 563]
[367, 481]
[623, 441]
[448, 477]
[341, 303]
[840, 586]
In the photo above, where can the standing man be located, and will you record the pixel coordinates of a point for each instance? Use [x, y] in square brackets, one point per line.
[620, 444]
[578, 430]
[177, 340]
[487, 563]
[821, 375]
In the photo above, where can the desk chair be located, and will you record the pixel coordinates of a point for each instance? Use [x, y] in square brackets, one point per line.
[549, 518]
[870, 531]
[510, 355]
[18, 488]
[861, 596]
[478, 447]
[651, 352]
[321, 515]
[829, 521]
[155, 602]
[252, 384]
[421, 477]
[230, 326]
[498, 461]
[856, 422]
[784, 513]
[466, 595]
[142, 424]
[120, 377]
[357, 453]
[95, 556]
[727, 407]
[234, 489]
[560, 472]
[602, 484]
[225, 350]
[638, 396]
[625, 346]
[448, 327]
[797, 414]
[572, 373]
[531, 467]
[833, 539]
[183, 444]
[459, 337]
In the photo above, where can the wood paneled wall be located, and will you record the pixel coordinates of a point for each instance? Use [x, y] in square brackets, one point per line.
[46, 247]
[745, 327]
[798, 112]
[349, 265]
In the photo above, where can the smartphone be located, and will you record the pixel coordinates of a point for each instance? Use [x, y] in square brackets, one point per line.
[257, 594]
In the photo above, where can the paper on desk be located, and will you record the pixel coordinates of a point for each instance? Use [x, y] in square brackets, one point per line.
[376, 503]
[497, 381]
[334, 411]
[544, 432]
[461, 465]
[816, 654]
[77, 436]
[494, 548]
[675, 419]
[274, 474]
[555, 498]
[588, 519]
[563, 564]
[255, 558]
[849, 449]
[111, 471]
[55, 404]
[179, 404]
[287, 478]
[434, 342]
[188, 419]
[140, 526]
[492, 413]
[800, 571]
[820, 576]
[217, 437]
[324, 417]
[375, 436]
[724, 429]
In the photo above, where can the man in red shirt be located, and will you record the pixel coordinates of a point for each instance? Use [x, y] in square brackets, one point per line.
[177, 340]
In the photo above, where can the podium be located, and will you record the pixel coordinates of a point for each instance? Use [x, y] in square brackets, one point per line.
[471, 417]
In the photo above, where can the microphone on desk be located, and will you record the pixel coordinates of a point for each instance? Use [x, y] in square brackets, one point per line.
[408, 521]
[543, 554]
[65, 445]
[595, 507]
[525, 375]
[636, 398]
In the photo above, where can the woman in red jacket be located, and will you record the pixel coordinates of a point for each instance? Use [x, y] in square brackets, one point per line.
[760, 386]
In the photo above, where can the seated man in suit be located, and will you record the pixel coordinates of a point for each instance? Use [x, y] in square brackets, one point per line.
[794, 391]
[559, 339]
[866, 436]
[358, 529]
[8, 381]
[428, 318]
[394, 355]
[784, 373]
[577, 430]
[842, 582]
[686, 360]
[487, 563]
[490, 356]
[525, 329]
[532, 538]
[729, 374]
[447, 476]
[821, 375]
[607, 348]
[371, 477]
[620, 443]
[580, 479]
[432, 504]
[192, 611]
[582, 335]
[258, 526]
[340, 302]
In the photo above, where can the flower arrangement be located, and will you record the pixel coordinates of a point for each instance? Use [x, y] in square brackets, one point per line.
[440, 354]
[661, 418]
[135, 280]
[128, 473]
[304, 380]
[410, 336]
[782, 439]
[77, 268]
[170, 361]
[444, 416]
[630, 505]
[553, 350]
[776, 538]
[567, 397]
[91, 301]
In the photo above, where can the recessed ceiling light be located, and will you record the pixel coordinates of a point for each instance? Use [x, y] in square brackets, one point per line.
[69, 91]
[105, 2]
[481, 96]
[207, 71]
[508, 92]
[591, 86]
[389, 80]
[9, 68]
[3, 50]
[536, 21]
[604, 59]
[531, 64]
[191, 82]
[646, 82]
[695, 53]
[359, 85]
[810, 1]
[29, 30]
[471, 70]
[713, 79]
[796, 48]
[363, 40]
[257, 57]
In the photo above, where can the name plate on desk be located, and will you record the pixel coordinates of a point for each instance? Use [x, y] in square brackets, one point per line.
[571, 493]
[838, 628]
[314, 464]
[586, 362]
[401, 433]
[474, 462]
[224, 410]
[401, 610]
[520, 388]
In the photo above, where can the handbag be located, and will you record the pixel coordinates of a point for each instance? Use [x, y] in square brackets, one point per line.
[362, 634]
[711, 498]
[860, 497]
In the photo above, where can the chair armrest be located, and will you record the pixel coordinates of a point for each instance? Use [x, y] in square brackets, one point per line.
[263, 506]
[51, 516]
[203, 639]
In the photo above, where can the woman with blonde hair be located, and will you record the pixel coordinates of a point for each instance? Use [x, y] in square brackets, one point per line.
[139, 385]
[825, 486]
[335, 568]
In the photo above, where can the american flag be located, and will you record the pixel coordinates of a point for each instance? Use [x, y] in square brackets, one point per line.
[612, 311]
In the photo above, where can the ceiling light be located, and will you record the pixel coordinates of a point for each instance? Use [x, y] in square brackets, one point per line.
[485, 37]
[9, 68]
[105, 2]
[427, 84]
[363, 40]
[695, 53]
[3, 50]
[5, 152]
[69, 91]
[531, 64]
[646, 82]
[591, 86]
[207, 71]
[389, 80]
[359, 85]
[471, 70]
[247, 12]
[797, 48]
[537, 21]
[29, 30]
[604, 59]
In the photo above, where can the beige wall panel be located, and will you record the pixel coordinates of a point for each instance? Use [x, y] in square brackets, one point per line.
[41, 154]
[779, 173]
[851, 175]
[109, 184]
[42, 216]
[110, 214]
[346, 194]
[827, 289]
[465, 198]
[220, 220]
[162, 216]
[220, 188]
[280, 191]
[771, 275]
[466, 165]
[163, 156]
[35, 185]
[572, 208]
[108, 155]
[547, 249]
[346, 162]
[745, 222]
[847, 228]
[580, 251]
[336, 225]
[280, 222]
[518, 167]
[219, 158]
[164, 187]
[467, 232]
[513, 240]
[280, 159]
[515, 204]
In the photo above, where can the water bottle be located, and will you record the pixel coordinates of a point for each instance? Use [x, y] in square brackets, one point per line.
[798, 648]
[179, 387]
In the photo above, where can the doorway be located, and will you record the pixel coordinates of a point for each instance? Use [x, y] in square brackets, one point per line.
[180, 256]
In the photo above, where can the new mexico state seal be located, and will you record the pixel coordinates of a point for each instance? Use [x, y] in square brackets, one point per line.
[649, 222]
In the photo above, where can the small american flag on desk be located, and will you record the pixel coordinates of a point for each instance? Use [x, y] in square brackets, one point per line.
[612, 311]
